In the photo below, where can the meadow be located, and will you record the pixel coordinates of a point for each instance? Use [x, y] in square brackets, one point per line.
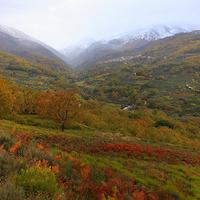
[41, 163]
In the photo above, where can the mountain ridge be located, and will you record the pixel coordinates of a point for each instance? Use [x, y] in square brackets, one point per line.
[126, 41]
[20, 39]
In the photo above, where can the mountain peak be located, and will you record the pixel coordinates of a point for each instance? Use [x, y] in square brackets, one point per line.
[85, 42]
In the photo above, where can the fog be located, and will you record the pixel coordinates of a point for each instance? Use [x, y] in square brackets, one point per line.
[60, 23]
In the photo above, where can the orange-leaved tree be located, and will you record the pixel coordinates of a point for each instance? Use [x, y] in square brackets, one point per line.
[6, 98]
[62, 106]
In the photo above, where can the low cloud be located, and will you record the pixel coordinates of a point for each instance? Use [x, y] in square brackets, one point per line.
[61, 22]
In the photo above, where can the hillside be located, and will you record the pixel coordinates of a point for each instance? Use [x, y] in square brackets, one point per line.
[164, 75]
[22, 45]
[102, 152]
[75, 164]
[41, 74]
[24, 48]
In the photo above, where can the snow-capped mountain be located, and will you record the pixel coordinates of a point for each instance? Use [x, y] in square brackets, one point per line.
[150, 34]
[76, 49]
[85, 42]
[16, 33]
[125, 41]
[21, 41]
[159, 32]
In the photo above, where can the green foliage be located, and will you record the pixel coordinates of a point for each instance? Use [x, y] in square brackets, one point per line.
[8, 166]
[163, 122]
[9, 191]
[91, 104]
[172, 190]
[66, 170]
[38, 71]
[31, 120]
[37, 179]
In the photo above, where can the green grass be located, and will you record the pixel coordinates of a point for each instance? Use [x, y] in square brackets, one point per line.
[80, 83]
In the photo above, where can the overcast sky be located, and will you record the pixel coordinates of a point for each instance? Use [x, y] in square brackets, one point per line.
[59, 23]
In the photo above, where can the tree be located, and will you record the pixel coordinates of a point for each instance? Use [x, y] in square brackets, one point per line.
[29, 103]
[163, 122]
[115, 96]
[62, 106]
[6, 98]
[19, 105]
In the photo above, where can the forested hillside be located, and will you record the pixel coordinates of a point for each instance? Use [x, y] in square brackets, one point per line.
[164, 76]
[41, 73]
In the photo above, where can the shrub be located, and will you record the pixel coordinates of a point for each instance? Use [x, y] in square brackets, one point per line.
[6, 140]
[163, 122]
[8, 165]
[9, 191]
[31, 120]
[37, 179]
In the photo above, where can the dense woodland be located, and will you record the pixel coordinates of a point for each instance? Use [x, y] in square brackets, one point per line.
[65, 134]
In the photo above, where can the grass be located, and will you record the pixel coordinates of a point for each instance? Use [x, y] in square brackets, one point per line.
[80, 83]
[180, 181]
[114, 105]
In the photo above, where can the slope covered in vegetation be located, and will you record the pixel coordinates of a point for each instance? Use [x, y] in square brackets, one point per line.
[88, 164]
[39, 73]
[103, 152]
[164, 76]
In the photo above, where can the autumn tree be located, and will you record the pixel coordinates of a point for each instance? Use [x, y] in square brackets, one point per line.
[115, 96]
[18, 107]
[62, 106]
[29, 103]
[6, 98]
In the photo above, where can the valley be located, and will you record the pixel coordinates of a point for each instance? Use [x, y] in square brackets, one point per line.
[122, 124]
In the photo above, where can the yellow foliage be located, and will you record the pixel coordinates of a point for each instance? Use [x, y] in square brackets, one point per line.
[6, 98]
[114, 197]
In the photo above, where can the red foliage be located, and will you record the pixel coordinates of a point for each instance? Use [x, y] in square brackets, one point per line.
[142, 123]
[169, 156]
[39, 146]
[16, 146]
[24, 137]
[3, 150]
[13, 131]
[56, 169]
[85, 173]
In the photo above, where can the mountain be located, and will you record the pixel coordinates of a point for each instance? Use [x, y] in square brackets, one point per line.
[20, 44]
[154, 33]
[96, 51]
[167, 68]
[75, 50]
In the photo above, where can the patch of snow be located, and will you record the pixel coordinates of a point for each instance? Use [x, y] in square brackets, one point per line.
[15, 33]
[85, 42]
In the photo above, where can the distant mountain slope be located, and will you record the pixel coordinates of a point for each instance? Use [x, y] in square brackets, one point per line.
[16, 33]
[34, 74]
[20, 44]
[123, 42]
[73, 51]
[176, 46]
